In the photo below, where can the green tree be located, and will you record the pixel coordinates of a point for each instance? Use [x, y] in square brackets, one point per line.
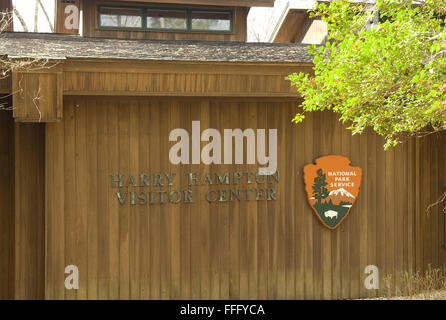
[319, 190]
[390, 75]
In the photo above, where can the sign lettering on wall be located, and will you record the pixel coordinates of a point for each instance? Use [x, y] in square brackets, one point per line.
[332, 186]
[159, 188]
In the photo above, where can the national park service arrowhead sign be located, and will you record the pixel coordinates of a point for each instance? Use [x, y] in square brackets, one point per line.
[332, 186]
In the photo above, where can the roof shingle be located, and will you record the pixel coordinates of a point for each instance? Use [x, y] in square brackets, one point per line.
[59, 47]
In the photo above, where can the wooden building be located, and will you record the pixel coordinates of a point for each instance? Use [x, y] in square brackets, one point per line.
[92, 123]
[294, 25]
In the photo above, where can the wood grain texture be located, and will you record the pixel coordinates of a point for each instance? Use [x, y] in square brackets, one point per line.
[442, 187]
[5, 85]
[37, 96]
[179, 79]
[312, 31]
[431, 175]
[6, 205]
[298, 27]
[227, 250]
[291, 26]
[6, 6]
[29, 211]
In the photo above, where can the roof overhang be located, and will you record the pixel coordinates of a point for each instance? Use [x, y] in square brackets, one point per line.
[289, 25]
[23, 45]
[291, 20]
[294, 15]
[228, 3]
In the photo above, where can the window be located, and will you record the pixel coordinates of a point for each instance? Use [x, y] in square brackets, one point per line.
[164, 19]
[211, 21]
[120, 17]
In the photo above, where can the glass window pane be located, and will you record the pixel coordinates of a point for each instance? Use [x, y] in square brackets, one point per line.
[121, 17]
[166, 19]
[212, 21]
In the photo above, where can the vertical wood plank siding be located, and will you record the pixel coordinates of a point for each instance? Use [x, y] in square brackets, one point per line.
[228, 250]
[6, 205]
[29, 211]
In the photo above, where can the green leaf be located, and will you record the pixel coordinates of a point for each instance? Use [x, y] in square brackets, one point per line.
[388, 77]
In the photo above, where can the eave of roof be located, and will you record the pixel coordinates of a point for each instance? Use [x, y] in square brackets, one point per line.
[291, 6]
[232, 3]
[301, 6]
[22, 45]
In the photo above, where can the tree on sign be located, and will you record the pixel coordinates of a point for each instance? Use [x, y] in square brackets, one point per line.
[319, 190]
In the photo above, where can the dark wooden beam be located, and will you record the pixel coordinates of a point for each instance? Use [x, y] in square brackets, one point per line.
[231, 3]
[6, 6]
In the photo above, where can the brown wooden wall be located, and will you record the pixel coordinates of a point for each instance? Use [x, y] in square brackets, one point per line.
[6, 205]
[233, 250]
[29, 268]
[38, 96]
[431, 226]
[314, 31]
[5, 86]
[90, 25]
[179, 79]
[298, 27]
[291, 27]
[22, 211]
[6, 6]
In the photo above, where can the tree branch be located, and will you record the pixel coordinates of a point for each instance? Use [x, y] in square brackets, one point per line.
[19, 17]
[438, 202]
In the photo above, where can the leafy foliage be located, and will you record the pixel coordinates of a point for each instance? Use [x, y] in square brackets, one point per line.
[390, 76]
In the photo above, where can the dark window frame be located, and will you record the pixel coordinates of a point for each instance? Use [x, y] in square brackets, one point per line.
[188, 12]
